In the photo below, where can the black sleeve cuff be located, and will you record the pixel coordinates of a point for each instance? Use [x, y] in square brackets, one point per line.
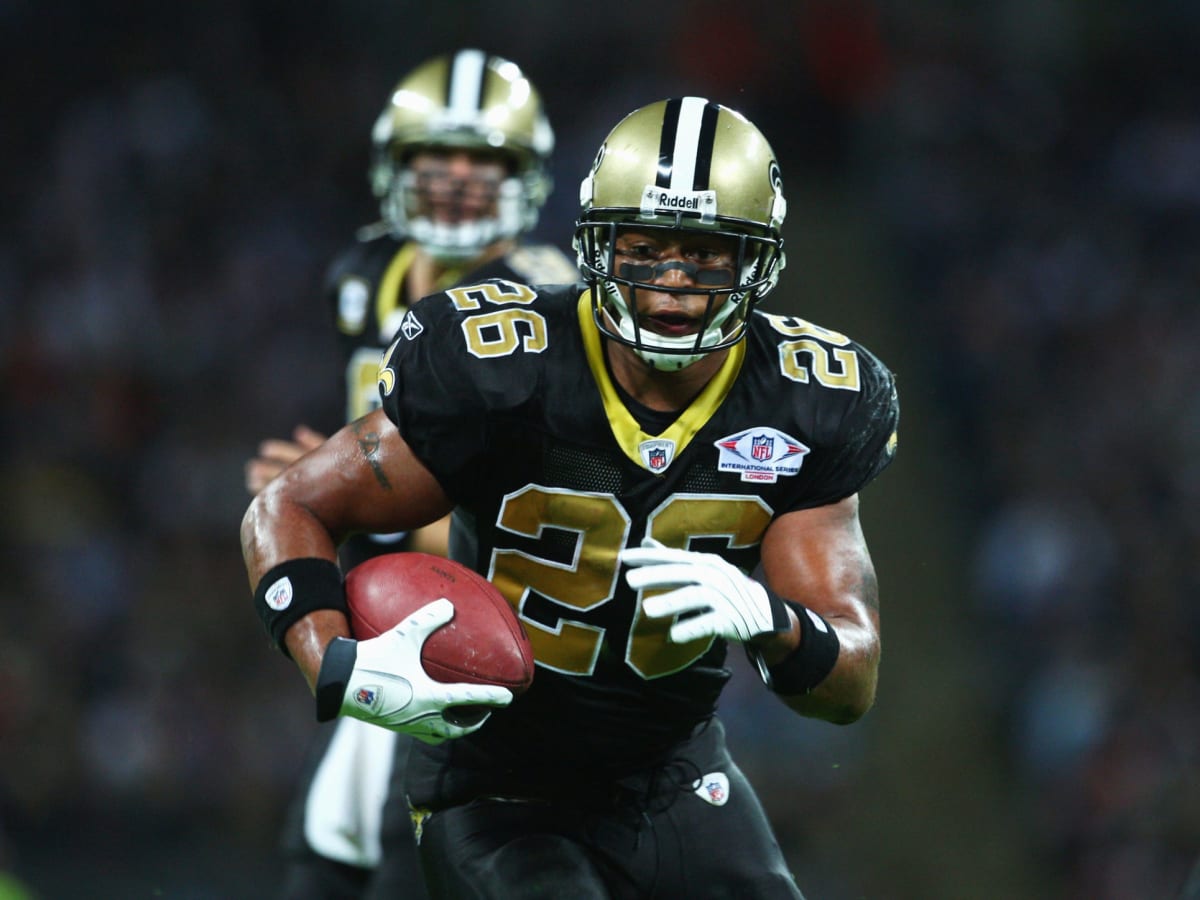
[336, 667]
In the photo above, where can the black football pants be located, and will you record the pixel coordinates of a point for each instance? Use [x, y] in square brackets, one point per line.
[671, 841]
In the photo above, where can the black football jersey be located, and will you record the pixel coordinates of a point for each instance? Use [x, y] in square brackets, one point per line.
[366, 288]
[501, 389]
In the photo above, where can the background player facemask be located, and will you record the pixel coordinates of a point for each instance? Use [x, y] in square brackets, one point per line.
[466, 100]
[404, 208]
[684, 164]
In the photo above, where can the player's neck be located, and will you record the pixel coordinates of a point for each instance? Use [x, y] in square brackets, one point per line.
[654, 388]
[427, 275]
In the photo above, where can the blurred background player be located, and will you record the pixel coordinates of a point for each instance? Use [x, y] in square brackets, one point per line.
[459, 164]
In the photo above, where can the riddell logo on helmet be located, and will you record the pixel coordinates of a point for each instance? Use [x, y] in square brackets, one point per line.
[655, 199]
[674, 201]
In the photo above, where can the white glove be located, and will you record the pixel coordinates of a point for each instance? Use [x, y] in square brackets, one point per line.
[726, 602]
[385, 683]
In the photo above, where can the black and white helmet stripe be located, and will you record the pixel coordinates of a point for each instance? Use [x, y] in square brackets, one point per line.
[686, 148]
[464, 87]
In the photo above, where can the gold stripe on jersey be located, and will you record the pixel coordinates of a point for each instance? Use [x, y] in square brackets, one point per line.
[388, 298]
[625, 428]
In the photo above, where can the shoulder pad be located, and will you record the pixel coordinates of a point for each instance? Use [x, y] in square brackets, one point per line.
[542, 264]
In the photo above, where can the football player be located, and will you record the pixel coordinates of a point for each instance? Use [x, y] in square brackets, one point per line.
[648, 468]
[459, 164]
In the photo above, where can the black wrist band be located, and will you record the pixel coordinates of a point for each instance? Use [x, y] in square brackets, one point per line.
[780, 621]
[293, 589]
[808, 665]
[336, 667]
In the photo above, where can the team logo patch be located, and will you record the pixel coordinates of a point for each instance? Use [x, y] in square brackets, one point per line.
[386, 381]
[657, 454]
[712, 788]
[368, 696]
[279, 595]
[410, 327]
[760, 454]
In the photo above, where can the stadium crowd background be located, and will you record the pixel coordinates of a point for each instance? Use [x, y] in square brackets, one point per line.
[1002, 199]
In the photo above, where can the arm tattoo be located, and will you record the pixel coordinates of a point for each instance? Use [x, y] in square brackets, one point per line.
[368, 443]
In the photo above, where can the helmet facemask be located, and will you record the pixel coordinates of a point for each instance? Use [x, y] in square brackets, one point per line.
[723, 323]
[690, 167]
[485, 211]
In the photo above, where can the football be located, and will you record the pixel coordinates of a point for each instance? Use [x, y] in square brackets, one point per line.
[483, 644]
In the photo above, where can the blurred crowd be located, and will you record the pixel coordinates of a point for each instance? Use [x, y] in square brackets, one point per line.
[1045, 196]
[175, 180]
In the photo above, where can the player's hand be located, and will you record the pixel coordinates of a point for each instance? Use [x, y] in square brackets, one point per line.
[275, 455]
[715, 597]
[385, 683]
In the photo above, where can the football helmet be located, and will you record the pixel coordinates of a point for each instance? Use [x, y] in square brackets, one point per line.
[463, 100]
[682, 164]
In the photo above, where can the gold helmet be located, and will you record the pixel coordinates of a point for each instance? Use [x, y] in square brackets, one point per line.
[691, 164]
[466, 100]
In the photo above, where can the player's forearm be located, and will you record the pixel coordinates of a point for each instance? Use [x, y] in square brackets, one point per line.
[835, 579]
[848, 691]
[275, 529]
[308, 639]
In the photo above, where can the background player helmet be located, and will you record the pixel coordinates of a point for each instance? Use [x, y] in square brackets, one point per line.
[685, 163]
[466, 100]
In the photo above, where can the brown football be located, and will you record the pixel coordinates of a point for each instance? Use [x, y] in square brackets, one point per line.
[483, 644]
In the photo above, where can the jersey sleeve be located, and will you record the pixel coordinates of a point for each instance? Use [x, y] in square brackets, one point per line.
[864, 440]
[541, 264]
[443, 393]
[429, 392]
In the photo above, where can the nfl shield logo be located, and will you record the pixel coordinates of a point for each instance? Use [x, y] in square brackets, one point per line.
[712, 788]
[762, 446]
[656, 454]
[716, 792]
[761, 454]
